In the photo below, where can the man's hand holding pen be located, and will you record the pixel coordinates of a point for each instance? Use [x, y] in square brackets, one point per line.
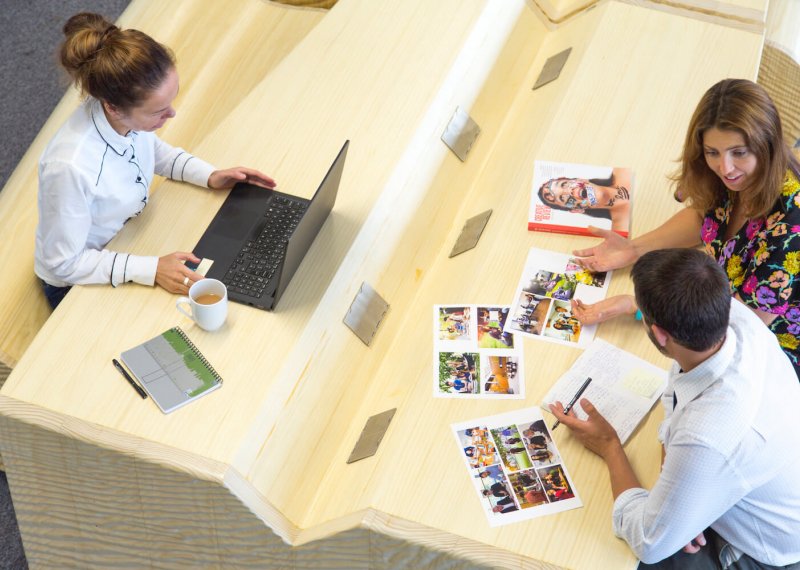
[595, 433]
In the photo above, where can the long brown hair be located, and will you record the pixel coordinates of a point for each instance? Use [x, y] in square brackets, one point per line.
[744, 107]
[117, 66]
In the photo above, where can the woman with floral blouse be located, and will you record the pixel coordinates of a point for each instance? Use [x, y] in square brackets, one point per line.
[741, 184]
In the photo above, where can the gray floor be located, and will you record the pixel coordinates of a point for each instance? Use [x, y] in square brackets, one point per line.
[30, 32]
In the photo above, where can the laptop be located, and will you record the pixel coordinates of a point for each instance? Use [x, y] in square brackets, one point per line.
[259, 237]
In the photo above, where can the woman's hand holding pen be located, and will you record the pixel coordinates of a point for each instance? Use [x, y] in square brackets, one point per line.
[613, 252]
[595, 433]
[224, 179]
[173, 275]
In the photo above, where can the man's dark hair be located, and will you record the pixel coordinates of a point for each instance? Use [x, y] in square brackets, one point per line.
[684, 292]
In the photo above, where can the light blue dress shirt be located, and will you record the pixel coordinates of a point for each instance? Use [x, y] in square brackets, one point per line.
[732, 454]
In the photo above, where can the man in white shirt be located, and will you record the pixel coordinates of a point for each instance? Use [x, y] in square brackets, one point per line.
[729, 491]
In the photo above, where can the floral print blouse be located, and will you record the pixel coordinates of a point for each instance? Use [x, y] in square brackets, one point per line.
[763, 261]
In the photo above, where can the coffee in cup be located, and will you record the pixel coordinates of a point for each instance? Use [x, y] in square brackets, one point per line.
[208, 301]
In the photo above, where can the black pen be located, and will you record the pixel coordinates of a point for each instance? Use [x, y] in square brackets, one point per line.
[130, 380]
[567, 409]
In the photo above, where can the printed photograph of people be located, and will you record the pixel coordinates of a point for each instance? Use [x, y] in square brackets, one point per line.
[510, 485]
[496, 490]
[500, 375]
[549, 284]
[454, 323]
[555, 483]
[530, 314]
[581, 275]
[478, 447]
[561, 324]
[607, 198]
[511, 448]
[539, 443]
[528, 489]
[491, 321]
[459, 372]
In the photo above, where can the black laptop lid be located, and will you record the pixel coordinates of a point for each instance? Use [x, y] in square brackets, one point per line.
[313, 219]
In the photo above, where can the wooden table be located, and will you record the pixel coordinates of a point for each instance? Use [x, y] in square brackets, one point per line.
[255, 474]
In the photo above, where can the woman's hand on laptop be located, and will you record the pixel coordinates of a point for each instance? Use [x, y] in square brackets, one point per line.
[224, 179]
[173, 275]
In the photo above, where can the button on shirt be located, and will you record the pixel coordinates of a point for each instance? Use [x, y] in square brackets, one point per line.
[91, 181]
[732, 454]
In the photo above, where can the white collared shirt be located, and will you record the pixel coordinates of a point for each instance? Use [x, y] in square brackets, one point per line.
[732, 454]
[91, 181]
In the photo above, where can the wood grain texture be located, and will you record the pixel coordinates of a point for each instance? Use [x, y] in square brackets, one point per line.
[783, 18]
[271, 445]
[79, 505]
[749, 14]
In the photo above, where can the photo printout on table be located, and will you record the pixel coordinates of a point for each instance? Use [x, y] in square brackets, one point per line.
[541, 307]
[624, 387]
[515, 467]
[473, 357]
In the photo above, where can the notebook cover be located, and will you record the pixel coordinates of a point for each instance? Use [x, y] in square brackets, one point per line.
[171, 370]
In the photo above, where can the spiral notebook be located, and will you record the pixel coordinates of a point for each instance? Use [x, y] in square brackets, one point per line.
[171, 369]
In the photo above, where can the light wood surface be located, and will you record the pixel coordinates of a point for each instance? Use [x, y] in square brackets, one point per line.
[783, 20]
[270, 447]
[750, 14]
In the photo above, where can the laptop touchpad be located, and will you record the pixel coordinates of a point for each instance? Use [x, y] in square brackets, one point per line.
[240, 212]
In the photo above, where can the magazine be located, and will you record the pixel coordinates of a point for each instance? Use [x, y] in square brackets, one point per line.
[515, 467]
[542, 308]
[568, 198]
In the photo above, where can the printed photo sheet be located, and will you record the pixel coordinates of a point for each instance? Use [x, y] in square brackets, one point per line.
[473, 357]
[624, 387]
[514, 466]
[541, 307]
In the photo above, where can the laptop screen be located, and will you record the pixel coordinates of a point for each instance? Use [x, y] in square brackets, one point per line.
[313, 219]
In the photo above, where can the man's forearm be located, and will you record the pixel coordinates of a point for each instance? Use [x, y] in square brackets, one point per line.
[620, 471]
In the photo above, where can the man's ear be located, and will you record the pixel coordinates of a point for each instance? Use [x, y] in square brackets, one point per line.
[660, 335]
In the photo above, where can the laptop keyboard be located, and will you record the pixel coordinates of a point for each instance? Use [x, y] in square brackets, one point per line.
[255, 266]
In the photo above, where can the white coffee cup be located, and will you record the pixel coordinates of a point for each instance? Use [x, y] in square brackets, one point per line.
[208, 300]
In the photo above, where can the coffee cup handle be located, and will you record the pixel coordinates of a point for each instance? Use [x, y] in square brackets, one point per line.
[184, 300]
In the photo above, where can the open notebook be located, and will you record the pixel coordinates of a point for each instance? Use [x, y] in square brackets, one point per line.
[171, 369]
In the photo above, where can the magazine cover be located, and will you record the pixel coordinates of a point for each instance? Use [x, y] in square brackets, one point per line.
[473, 357]
[515, 467]
[542, 308]
[568, 198]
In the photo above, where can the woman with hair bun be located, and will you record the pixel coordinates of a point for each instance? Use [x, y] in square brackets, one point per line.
[95, 173]
[741, 184]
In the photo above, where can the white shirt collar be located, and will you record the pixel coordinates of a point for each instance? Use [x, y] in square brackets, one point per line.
[689, 385]
[111, 137]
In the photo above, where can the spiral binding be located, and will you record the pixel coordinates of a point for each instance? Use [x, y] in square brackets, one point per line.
[197, 352]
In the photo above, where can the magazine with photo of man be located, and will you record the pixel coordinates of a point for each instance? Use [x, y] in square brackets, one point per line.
[568, 198]
[542, 308]
[473, 357]
[515, 467]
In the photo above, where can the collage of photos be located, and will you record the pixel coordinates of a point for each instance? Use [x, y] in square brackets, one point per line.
[474, 357]
[515, 467]
[542, 306]
[568, 198]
